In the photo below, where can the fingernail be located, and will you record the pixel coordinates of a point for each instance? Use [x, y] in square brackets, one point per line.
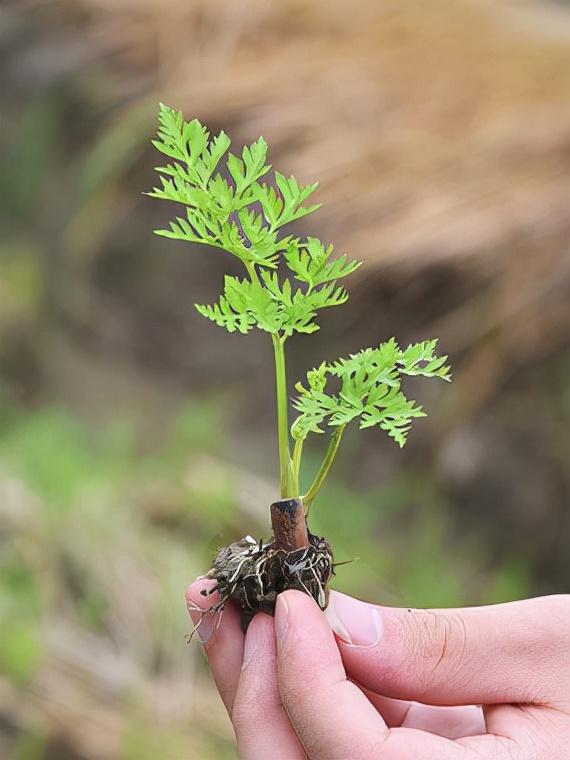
[353, 621]
[281, 621]
[204, 622]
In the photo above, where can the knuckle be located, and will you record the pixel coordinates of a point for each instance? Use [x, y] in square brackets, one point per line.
[438, 639]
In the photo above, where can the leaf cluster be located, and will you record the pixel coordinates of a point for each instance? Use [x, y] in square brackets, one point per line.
[369, 389]
[227, 206]
[236, 204]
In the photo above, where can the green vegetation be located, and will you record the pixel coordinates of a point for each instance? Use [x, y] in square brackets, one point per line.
[245, 217]
[99, 537]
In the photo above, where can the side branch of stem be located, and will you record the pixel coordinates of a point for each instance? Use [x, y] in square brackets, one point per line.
[296, 463]
[326, 464]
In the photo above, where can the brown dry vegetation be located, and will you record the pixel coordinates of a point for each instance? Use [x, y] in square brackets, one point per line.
[440, 133]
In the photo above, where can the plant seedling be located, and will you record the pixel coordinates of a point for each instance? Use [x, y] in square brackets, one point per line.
[228, 205]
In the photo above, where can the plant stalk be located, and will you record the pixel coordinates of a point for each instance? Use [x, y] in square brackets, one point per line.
[324, 468]
[289, 525]
[296, 463]
[285, 467]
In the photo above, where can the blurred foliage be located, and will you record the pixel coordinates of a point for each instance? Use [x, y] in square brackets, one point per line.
[100, 533]
[119, 478]
[94, 538]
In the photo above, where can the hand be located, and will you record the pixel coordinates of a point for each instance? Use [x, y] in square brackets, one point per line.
[294, 690]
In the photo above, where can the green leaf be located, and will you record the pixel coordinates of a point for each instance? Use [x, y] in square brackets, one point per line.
[244, 304]
[294, 196]
[230, 208]
[271, 203]
[420, 359]
[216, 150]
[309, 261]
[227, 214]
[250, 167]
[184, 141]
[369, 389]
[223, 315]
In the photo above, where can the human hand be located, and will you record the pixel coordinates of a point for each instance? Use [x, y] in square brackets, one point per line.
[294, 698]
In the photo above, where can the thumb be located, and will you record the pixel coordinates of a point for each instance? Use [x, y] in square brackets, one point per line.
[330, 715]
[517, 652]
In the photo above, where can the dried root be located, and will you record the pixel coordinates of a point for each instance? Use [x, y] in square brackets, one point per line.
[252, 573]
[204, 614]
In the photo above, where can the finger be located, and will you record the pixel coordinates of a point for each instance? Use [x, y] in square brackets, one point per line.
[451, 722]
[222, 637]
[260, 722]
[464, 723]
[393, 711]
[331, 716]
[514, 652]
[532, 725]
[326, 710]
[413, 744]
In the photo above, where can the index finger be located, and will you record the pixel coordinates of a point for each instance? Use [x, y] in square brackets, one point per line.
[220, 633]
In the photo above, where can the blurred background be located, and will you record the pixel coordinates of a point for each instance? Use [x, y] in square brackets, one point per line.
[136, 438]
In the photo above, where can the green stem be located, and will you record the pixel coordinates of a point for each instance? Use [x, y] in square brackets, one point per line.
[334, 443]
[285, 466]
[296, 463]
[289, 481]
[250, 266]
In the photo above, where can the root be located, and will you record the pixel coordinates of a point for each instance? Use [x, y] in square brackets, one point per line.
[253, 573]
[217, 609]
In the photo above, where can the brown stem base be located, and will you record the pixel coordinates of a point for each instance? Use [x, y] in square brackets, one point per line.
[253, 573]
[289, 525]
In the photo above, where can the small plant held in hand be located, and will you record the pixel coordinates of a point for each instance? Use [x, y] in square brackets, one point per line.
[230, 203]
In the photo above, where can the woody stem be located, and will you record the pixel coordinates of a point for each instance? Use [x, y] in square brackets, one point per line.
[289, 524]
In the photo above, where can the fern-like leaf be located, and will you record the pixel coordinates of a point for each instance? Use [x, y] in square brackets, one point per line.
[369, 389]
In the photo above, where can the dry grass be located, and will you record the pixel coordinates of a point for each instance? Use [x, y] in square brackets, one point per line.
[437, 129]
[440, 132]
